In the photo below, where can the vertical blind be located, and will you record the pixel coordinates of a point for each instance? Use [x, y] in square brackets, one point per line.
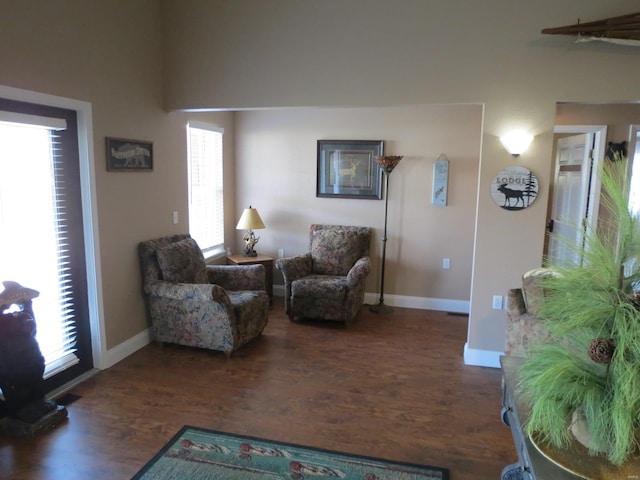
[206, 196]
[34, 246]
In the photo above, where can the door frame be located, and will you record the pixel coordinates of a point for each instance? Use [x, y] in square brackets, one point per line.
[593, 202]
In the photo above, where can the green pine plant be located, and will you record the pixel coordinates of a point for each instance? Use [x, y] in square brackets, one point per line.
[592, 359]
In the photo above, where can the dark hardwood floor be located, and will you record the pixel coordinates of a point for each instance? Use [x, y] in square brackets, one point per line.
[393, 386]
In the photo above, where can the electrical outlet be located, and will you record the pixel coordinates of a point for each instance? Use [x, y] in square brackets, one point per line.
[175, 218]
[497, 302]
[280, 252]
[446, 263]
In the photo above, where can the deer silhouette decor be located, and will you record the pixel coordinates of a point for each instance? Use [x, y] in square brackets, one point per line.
[515, 188]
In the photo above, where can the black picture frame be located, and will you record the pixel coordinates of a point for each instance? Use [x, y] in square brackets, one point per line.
[124, 155]
[348, 169]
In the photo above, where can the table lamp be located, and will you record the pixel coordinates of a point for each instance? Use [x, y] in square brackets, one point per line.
[250, 220]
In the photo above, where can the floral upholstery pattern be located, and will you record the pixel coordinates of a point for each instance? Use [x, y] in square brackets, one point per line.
[328, 282]
[524, 329]
[182, 262]
[219, 307]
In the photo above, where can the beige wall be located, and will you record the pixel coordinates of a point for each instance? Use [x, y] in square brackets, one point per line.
[109, 53]
[364, 53]
[325, 53]
[616, 116]
[276, 173]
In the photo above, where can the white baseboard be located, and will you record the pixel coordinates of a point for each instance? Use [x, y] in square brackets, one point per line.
[481, 358]
[126, 348]
[421, 303]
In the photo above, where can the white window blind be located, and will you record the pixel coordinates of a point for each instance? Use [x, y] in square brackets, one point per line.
[33, 244]
[206, 195]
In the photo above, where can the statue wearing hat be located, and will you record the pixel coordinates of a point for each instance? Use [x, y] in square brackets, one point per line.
[21, 362]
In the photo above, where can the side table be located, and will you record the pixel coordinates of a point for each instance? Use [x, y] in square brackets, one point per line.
[239, 259]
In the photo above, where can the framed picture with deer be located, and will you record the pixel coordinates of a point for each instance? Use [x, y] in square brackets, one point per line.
[348, 169]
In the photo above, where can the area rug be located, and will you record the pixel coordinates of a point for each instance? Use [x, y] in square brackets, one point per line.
[198, 454]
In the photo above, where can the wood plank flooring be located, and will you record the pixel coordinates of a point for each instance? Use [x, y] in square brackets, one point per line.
[393, 386]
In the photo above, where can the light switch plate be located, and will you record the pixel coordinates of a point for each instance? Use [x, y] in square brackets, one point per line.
[497, 302]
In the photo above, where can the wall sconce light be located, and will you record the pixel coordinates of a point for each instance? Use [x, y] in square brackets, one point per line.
[516, 142]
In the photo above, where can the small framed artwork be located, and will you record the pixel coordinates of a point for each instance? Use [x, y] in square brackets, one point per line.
[129, 155]
[348, 169]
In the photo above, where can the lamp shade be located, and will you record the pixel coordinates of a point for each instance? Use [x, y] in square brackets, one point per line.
[250, 220]
[516, 142]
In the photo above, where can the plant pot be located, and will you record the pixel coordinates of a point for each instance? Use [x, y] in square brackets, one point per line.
[580, 429]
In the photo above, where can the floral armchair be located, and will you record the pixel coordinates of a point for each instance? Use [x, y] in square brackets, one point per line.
[524, 329]
[328, 282]
[218, 307]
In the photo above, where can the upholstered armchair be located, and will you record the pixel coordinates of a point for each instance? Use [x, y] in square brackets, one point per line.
[218, 307]
[328, 282]
[524, 329]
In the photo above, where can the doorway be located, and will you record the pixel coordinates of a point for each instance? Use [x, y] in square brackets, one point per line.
[634, 157]
[575, 193]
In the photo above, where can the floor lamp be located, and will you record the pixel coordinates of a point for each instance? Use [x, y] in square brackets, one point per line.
[387, 163]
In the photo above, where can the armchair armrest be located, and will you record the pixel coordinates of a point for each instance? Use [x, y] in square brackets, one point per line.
[187, 291]
[238, 277]
[359, 271]
[296, 267]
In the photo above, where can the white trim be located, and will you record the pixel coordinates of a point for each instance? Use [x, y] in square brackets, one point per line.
[89, 205]
[126, 348]
[15, 118]
[481, 358]
[62, 389]
[205, 126]
[421, 303]
[130, 346]
[632, 169]
[600, 135]
[403, 301]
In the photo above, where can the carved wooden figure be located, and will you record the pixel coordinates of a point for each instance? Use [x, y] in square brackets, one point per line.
[21, 362]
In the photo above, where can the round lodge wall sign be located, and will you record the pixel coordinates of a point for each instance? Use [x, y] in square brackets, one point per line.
[514, 188]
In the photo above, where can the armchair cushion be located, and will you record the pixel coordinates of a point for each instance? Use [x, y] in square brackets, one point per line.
[320, 286]
[328, 252]
[182, 262]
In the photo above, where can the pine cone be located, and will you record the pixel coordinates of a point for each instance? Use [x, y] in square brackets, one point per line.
[601, 350]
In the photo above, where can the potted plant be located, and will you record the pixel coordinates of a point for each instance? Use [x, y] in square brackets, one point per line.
[585, 379]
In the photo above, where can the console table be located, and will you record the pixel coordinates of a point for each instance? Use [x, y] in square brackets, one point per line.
[239, 259]
[532, 464]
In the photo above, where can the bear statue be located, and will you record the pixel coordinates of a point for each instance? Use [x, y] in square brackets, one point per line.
[21, 362]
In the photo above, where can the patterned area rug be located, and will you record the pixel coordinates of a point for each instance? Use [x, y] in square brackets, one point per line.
[194, 453]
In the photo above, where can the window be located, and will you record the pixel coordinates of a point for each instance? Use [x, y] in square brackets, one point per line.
[206, 199]
[42, 246]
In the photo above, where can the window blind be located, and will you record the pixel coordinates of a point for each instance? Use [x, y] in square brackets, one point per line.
[206, 195]
[34, 247]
